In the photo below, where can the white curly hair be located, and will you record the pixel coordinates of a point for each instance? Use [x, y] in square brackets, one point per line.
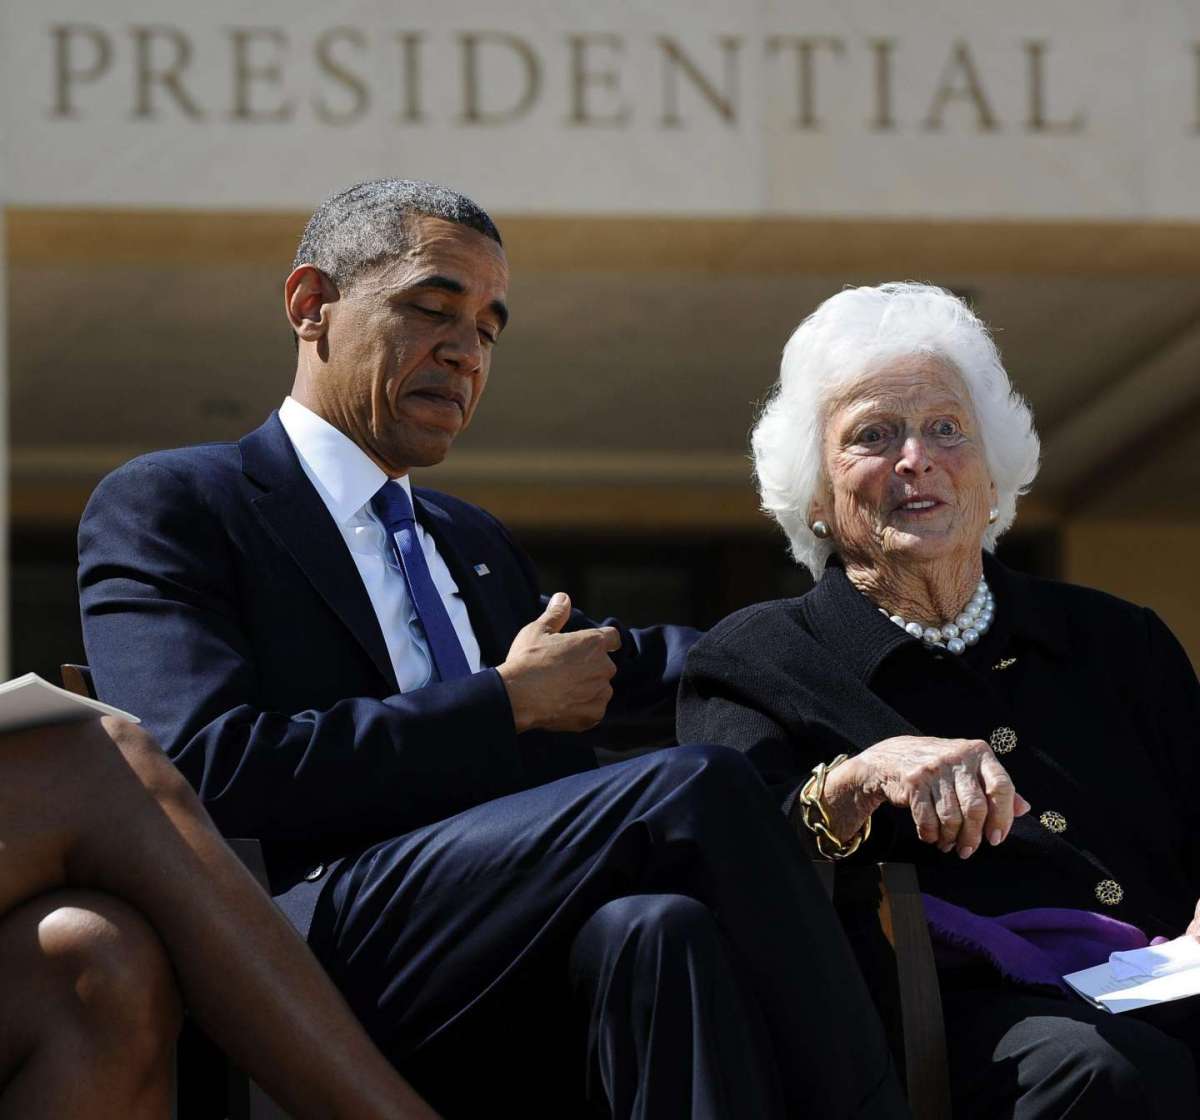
[848, 337]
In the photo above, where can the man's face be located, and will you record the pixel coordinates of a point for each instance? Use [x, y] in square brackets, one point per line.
[409, 344]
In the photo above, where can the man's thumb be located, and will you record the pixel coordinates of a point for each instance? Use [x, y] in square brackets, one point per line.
[557, 611]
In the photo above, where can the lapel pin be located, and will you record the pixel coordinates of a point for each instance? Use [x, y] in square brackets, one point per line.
[482, 570]
[1004, 663]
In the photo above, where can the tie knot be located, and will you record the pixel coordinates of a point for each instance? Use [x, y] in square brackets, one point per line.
[392, 506]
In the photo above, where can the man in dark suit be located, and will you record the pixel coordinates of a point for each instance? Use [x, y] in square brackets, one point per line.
[364, 676]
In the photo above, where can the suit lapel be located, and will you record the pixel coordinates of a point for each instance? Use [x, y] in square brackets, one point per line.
[454, 544]
[294, 514]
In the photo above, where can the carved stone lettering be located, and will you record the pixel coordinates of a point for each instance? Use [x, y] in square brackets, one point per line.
[327, 75]
[250, 71]
[804, 48]
[331, 61]
[675, 62]
[150, 46]
[471, 44]
[1038, 119]
[881, 53]
[410, 72]
[1196, 60]
[584, 79]
[82, 53]
[960, 82]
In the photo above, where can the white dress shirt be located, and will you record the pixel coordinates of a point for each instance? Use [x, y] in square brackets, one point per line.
[347, 480]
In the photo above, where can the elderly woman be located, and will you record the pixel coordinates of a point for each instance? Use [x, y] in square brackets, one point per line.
[1030, 746]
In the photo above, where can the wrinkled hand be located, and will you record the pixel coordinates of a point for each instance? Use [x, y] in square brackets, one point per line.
[955, 789]
[556, 681]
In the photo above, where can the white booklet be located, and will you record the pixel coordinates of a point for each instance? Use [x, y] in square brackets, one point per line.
[1142, 977]
[29, 701]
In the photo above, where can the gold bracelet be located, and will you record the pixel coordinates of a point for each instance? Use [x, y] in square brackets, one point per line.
[816, 817]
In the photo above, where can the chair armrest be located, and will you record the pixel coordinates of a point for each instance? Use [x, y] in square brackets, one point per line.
[902, 919]
[884, 919]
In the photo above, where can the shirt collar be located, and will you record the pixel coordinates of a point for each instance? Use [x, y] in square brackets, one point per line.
[847, 621]
[340, 471]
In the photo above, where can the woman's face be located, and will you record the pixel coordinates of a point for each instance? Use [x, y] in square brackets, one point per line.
[905, 476]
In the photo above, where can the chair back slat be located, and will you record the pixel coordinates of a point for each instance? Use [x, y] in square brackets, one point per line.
[78, 679]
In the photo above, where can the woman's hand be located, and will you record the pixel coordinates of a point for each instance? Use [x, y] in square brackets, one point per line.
[955, 789]
[1193, 929]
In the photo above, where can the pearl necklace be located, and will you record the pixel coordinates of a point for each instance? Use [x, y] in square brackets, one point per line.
[964, 631]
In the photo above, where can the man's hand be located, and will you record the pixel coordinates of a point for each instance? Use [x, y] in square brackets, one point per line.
[957, 791]
[555, 681]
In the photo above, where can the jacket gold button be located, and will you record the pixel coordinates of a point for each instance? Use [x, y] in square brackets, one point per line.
[1053, 822]
[1003, 740]
[1109, 892]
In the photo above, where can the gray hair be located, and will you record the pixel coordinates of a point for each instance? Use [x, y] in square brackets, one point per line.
[847, 337]
[369, 222]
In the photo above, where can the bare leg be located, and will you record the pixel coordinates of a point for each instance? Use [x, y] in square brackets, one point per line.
[98, 805]
[88, 1014]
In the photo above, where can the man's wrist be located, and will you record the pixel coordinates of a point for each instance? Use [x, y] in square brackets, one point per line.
[522, 721]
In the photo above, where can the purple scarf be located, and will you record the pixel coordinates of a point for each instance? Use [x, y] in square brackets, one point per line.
[1028, 946]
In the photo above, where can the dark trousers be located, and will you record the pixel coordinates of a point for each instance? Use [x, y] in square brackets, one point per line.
[1017, 1054]
[646, 940]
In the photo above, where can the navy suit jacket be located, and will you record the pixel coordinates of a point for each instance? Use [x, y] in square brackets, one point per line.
[221, 605]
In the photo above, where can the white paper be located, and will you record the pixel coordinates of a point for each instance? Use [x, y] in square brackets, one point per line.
[29, 701]
[1156, 960]
[1114, 987]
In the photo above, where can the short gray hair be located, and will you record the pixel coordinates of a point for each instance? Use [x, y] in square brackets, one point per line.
[850, 335]
[369, 222]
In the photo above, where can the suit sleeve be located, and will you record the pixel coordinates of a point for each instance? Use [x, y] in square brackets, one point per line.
[649, 668]
[158, 596]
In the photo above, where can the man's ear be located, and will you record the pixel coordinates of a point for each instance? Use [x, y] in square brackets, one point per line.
[307, 293]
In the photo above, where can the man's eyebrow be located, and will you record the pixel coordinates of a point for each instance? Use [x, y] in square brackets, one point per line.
[445, 283]
[449, 284]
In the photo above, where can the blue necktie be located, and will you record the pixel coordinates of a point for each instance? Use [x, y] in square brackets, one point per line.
[393, 507]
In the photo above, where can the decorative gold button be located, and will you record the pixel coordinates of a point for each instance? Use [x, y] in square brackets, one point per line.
[1003, 740]
[1109, 892]
[1053, 822]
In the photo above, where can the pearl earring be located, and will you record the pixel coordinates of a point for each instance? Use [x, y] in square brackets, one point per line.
[820, 530]
[993, 515]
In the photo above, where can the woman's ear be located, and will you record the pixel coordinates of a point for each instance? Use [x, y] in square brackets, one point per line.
[307, 293]
[820, 505]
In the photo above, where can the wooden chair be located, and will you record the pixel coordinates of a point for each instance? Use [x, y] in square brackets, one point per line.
[881, 911]
[208, 1085]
